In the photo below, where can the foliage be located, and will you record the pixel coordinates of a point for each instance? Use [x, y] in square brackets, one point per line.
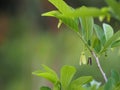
[96, 39]
[65, 81]
[99, 41]
[113, 82]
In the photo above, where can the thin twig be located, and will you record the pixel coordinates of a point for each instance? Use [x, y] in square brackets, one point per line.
[95, 56]
[99, 66]
[84, 42]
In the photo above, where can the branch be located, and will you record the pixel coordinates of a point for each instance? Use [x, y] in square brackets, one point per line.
[96, 58]
[99, 66]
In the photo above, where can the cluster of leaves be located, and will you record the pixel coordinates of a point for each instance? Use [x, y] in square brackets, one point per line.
[96, 38]
[113, 82]
[92, 35]
[66, 81]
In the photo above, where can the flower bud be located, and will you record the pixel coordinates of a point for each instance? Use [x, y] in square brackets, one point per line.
[89, 60]
[83, 59]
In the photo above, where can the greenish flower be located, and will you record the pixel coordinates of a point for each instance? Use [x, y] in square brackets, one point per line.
[83, 59]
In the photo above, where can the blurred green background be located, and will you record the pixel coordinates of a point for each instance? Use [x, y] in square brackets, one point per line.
[28, 40]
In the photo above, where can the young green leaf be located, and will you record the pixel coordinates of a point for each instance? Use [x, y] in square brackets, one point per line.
[111, 40]
[48, 74]
[87, 27]
[81, 81]
[109, 85]
[57, 86]
[61, 6]
[100, 33]
[49, 70]
[70, 22]
[97, 45]
[115, 76]
[53, 13]
[116, 44]
[77, 88]
[88, 12]
[108, 31]
[45, 88]
[67, 73]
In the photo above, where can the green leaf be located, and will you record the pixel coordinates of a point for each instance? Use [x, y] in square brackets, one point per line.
[48, 74]
[82, 11]
[115, 76]
[49, 70]
[88, 12]
[116, 44]
[45, 88]
[61, 6]
[111, 40]
[57, 86]
[77, 88]
[97, 45]
[70, 22]
[81, 81]
[78, 83]
[115, 7]
[87, 27]
[100, 33]
[53, 13]
[109, 85]
[67, 73]
[108, 31]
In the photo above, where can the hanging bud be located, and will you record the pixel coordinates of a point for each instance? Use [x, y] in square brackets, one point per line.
[89, 61]
[59, 23]
[101, 18]
[82, 59]
[108, 18]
